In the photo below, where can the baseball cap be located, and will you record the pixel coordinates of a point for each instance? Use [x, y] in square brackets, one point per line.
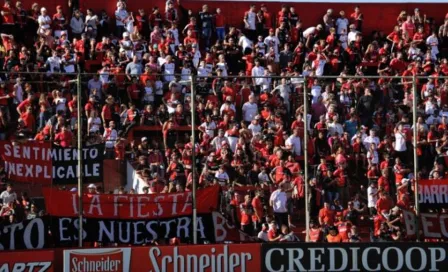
[91, 186]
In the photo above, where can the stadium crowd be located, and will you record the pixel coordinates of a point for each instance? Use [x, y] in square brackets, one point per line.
[249, 81]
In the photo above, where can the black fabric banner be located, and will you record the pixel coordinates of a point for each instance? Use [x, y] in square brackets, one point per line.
[135, 232]
[65, 164]
[355, 257]
[29, 234]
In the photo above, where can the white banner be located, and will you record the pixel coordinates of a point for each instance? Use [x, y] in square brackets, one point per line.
[97, 259]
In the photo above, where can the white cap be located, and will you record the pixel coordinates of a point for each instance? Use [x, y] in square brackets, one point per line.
[91, 186]
[125, 34]
[144, 139]
[74, 189]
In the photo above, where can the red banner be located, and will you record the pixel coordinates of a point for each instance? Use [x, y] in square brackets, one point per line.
[433, 193]
[27, 261]
[27, 162]
[432, 225]
[151, 206]
[206, 258]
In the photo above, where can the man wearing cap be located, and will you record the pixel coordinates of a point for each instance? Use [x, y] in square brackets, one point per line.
[272, 41]
[91, 189]
[59, 22]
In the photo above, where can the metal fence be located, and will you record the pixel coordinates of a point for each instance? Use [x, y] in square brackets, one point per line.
[295, 91]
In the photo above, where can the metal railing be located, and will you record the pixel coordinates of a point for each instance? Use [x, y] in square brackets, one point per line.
[191, 82]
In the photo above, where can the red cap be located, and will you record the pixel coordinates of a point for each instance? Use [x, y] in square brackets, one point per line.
[271, 30]
[58, 7]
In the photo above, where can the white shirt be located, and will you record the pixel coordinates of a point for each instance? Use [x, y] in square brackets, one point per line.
[316, 90]
[250, 110]
[400, 142]
[95, 124]
[54, 63]
[343, 38]
[60, 104]
[319, 67]
[8, 197]
[309, 31]
[373, 158]
[272, 41]
[202, 72]
[294, 141]
[168, 71]
[352, 36]
[223, 67]
[233, 140]
[110, 137]
[256, 72]
[209, 128]
[244, 42]
[371, 140]
[341, 24]
[256, 129]
[222, 176]
[433, 42]
[185, 74]
[279, 199]
[263, 235]
[18, 93]
[91, 21]
[335, 127]
[371, 200]
[44, 21]
[217, 142]
[149, 94]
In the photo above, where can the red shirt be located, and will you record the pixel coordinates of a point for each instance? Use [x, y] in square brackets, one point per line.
[28, 120]
[227, 91]
[23, 105]
[89, 107]
[384, 204]
[107, 112]
[79, 46]
[384, 183]
[134, 91]
[245, 218]
[220, 20]
[71, 105]
[327, 216]
[8, 18]
[64, 138]
[267, 20]
[271, 234]
[258, 207]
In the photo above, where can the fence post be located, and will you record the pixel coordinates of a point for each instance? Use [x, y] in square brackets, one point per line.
[193, 155]
[415, 142]
[305, 150]
[80, 164]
